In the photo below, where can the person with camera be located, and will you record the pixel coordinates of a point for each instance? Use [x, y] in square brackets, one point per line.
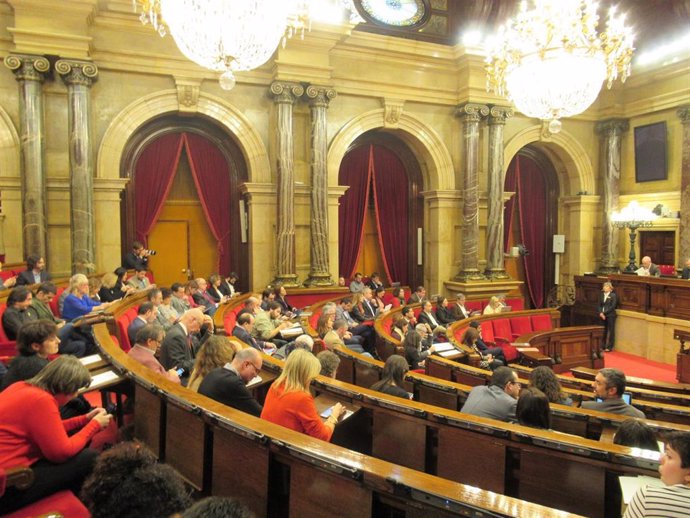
[138, 257]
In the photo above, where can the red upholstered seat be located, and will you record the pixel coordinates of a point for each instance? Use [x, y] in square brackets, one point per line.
[502, 329]
[7, 347]
[122, 325]
[54, 304]
[6, 274]
[541, 322]
[459, 332]
[667, 269]
[62, 502]
[314, 319]
[516, 304]
[520, 326]
[230, 318]
[474, 305]
[487, 332]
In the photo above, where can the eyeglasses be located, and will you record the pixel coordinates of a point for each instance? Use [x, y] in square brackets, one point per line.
[256, 369]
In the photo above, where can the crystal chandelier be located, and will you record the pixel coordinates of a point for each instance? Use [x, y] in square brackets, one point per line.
[551, 62]
[633, 217]
[226, 35]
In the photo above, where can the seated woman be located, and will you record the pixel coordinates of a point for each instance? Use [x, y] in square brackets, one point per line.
[634, 433]
[494, 306]
[112, 288]
[489, 356]
[39, 438]
[545, 380]
[216, 352]
[78, 303]
[213, 288]
[533, 409]
[36, 341]
[95, 288]
[325, 324]
[400, 329]
[377, 300]
[281, 298]
[414, 354]
[391, 382]
[398, 298]
[357, 311]
[444, 315]
[289, 402]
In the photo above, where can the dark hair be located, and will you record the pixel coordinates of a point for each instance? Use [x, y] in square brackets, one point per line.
[406, 309]
[232, 275]
[276, 289]
[274, 305]
[614, 378]
[18, 294]
[533, 409]
[166, 293]
[265, 294]
[545, 380]
[128, 483]
[397, 292]
[356, 274]
[34, 332]
[636, 434]
[419, 289]
[439, 300]
[413, 340]
[501, 376]
[471, 335]
[136, 245]
[46, 287]
[244, 318]
[141, 268]
[120, 271]
[393, 372]
[32, 261]
[374, 275]
[400, 323]
[476, 324]
[380, 289]
[218, 507]
[339, 323]
[148, 332]
[153, 293]
[145, 308]
[176, 286]
[346, 300]
[680, 443]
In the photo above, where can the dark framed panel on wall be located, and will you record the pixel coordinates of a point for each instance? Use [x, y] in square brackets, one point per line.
[650, 152]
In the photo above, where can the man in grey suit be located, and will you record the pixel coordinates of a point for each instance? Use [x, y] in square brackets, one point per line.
[497, 400]
[609, 385]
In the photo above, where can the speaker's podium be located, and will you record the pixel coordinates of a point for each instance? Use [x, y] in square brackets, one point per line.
[683, 356]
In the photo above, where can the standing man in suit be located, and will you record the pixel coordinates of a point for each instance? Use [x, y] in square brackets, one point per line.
[137, 258]
[607, 312]
[228, 384]
[648, 268]
[35, 271]
[181, 342]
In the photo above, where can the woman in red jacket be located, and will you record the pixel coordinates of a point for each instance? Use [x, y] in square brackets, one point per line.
[38, 437]
[289, 402]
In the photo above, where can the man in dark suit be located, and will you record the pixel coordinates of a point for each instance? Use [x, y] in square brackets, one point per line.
[607, 312]
[181, 343]
[201, 298]
[35, 271]
[686, 270]
[243, 329]
[228, 384]
[146, 314]
[609, 386]
[375, 282]
[137, 258]
[18, 311]
[426, 316]
[418, 296]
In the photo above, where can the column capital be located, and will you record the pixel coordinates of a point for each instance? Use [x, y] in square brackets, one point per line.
[286, 93]
[471, 112]
[28, 67]
[75, 72]
[684, 114]
[499, 114]
[610, 127]
[319, 96]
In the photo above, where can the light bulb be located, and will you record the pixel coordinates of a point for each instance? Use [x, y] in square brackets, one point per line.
[227, 80]
[555, 126]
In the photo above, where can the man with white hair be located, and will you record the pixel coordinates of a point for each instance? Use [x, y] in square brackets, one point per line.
[183, 340]
[648, 268]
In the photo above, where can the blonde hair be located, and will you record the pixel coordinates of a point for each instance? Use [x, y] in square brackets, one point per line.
[216, 352]
[300, 369]
[109, 280]
[77, 280]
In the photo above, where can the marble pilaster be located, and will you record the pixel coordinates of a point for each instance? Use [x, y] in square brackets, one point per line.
[684, 228]
[79, 76]
[495, 268]
[30, 73]
[319, 98]
[284, 96]
[610, 132]
[471, 114]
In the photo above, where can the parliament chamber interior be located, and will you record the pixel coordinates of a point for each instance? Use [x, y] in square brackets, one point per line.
[473, 215]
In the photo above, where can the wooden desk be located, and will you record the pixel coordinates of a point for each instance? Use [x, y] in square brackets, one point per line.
[683, 356]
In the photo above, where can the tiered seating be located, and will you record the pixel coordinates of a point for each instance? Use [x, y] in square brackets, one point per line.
[8, 348]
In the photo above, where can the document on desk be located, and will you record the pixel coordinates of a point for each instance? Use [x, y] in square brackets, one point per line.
[443, 346]
[256, 379]
[294, 330]
[327, 413]
[103, 378]
[446, 354]
[630, 485]
[90, 360]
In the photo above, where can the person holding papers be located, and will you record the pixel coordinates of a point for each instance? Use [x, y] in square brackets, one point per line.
[673, 499]
[268, 325]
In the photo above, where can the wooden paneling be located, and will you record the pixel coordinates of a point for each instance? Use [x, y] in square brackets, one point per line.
[185, 444]
[148, 409]
[399, 439]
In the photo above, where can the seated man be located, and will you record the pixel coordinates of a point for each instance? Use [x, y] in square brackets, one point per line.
[427, 316]
[228, 384]
[35, 272]
[184, 339]
[336, 338]
[268, 325]
[329, 363]
[146, 314]
[147, 342]
[137, 258]
[686, 270]
[498, 399]
[356, 285]
[418, 296]
[609, 385]
[648, 268]
[197, 288]
[18, 311]
[304, 341]
[251, 306]
[375, 281]
[139, 281]
[167, 314]
[459, 311]
[179, 299]
[244, 325]
[227, 285]
[41, 303]
[266, 297]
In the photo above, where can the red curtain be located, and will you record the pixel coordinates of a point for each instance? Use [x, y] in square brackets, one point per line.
[391, 202]
[532, 207]
[212, 179]
[355, 172]
[510, 185]
[154, 174]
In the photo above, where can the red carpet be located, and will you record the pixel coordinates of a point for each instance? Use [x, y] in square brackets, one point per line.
[640, 367]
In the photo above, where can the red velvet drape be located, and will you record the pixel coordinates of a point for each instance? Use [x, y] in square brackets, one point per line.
[154, 173]
[532, 207]
[391, 201]
[355, 172]
[212, 179]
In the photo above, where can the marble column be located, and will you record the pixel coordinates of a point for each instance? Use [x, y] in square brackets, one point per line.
[30, 72]
[285, 95]
[79, 76]
[495, 268]
[610, 133]
[319, 98]
[684, 227]
[470, 114]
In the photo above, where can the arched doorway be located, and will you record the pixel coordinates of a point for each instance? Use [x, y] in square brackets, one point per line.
[531, 220]
[197, 226]
[380, 213]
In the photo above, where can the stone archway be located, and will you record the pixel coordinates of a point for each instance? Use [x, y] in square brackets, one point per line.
[11, 238]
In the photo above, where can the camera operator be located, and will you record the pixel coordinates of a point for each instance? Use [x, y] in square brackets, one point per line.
[138, 257]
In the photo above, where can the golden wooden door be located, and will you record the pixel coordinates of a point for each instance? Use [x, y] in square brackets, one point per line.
[371, 257]
[170, 240]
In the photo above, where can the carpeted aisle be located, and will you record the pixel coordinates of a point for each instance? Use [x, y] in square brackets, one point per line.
[640, 367]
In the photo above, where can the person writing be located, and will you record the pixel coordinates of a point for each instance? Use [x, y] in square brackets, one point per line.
[289, 402]
[40, 439]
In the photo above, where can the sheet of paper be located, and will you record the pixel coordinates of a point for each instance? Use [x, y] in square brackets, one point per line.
[445, 354]
[103, 377]
[89, 360]
[254, 381]
[443, 346]
[630, 485]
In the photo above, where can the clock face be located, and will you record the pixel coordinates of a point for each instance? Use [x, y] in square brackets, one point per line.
[395, 13]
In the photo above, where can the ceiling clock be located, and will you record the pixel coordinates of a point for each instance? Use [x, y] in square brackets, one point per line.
[403, 14]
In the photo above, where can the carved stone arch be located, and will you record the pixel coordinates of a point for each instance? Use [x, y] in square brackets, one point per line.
[433, 156]
[9, 147]
[165, 102]
[572, 163]
[11, 235]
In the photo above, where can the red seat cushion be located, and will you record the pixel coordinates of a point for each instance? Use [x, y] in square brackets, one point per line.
[487, 331]
[459, 332]
[511, 353]
[54, 304]
[7, 347]
[520, 326]
[6, 274]
[473, 305]
[516, 304]
[62, 502]
[502, 329]
[541, 322]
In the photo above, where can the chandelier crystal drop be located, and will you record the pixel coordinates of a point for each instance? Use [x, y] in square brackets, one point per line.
[550, 61]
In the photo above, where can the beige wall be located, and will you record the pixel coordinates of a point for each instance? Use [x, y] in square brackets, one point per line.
[139, 77]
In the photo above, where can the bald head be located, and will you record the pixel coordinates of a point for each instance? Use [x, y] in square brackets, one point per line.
[247, 362]
[192, 319]
[646, 261]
